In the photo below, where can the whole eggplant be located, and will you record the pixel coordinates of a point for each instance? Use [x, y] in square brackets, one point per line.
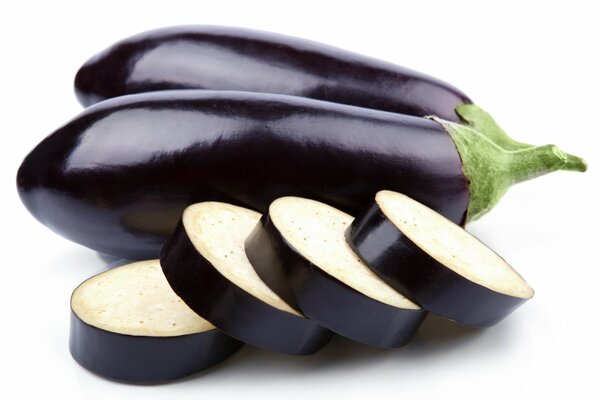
[227, 58]
[117, 177]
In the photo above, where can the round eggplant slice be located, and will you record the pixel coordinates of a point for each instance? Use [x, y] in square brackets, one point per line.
[128, 325]
[299, 250]
[206, 265]
[435, 262]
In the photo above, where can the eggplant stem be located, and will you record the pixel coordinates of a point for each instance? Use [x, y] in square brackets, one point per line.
[540, 160]
[480, 120]
[492, 162]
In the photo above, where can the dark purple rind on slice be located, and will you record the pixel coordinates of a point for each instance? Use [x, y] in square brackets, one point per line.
[146, 359]
[232, 309]
[410, 270]
[325, 299]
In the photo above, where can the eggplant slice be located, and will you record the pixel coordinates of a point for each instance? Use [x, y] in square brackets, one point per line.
[128, 325]
[300, 251]
[205, 263]
[435, 262]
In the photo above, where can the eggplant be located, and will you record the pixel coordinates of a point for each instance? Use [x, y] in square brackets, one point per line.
[128, 325]
[117, 177]
[226, 58]
[206, 265]
[435, 262]
[300, 251]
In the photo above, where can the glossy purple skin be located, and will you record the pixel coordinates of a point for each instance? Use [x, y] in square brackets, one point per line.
[230, 308]
[225, 58]
[409, 269]
[147, 359]
[117, 177]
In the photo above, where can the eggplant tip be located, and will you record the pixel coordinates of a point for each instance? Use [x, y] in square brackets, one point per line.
[83, 85]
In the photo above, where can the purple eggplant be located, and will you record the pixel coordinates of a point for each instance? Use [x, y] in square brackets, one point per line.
[117, 177]
[435, 263]
[128, 325]
[298, 249]
[225, 58]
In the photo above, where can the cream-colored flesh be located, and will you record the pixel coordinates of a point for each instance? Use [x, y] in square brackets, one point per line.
[218, 232]
[451, 245]
[317, 231]
[135, 299]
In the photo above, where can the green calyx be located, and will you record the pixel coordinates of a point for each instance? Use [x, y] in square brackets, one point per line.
[492, 161]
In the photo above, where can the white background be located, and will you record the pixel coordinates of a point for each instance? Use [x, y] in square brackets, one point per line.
[534, 66]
